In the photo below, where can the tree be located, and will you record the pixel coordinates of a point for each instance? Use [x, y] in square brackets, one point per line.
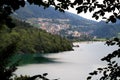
[7, 7]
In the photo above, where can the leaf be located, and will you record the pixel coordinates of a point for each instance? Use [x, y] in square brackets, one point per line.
[79, 10]
[118, 1]
[115, 14]
[88, 1]
[112, 19]
[116, 65]
[61, 10]
[104, 18]
[93, 1]
[96, 17]
[72, 5]
[45, 74]
[112, 1]
[90, 9]
[89, 77]
[60, 0]
[116, 39]
[100, 5]
[56, 8]
[104, 73]
[79, 1]
[112, 44]
[119, 55]
[102, 13]
[108, 9]
[91, 73]
[85, 10]
[30, 1]
[100, 69]
[22, 3]
[104, 2]
[118, 7]
[113, 62]
[95, 72]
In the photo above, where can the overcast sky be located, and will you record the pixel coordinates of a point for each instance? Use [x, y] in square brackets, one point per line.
[87, 15]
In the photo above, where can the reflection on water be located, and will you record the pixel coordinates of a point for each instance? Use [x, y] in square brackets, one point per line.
[71, 65]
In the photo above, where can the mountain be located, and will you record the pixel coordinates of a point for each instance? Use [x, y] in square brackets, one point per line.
[83, 26]
[107, 30]
[30, 11]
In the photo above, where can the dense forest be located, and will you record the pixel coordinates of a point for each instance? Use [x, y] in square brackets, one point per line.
[32, 40]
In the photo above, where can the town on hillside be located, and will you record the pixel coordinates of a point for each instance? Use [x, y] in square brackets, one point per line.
[59, 27]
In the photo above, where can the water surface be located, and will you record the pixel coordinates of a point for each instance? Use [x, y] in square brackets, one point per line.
[71, 65]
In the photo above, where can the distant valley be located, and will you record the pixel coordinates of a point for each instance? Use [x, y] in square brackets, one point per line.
[66, 24]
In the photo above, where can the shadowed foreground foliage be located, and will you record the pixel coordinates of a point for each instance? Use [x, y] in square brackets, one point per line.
[5, 54]
[41, 77]
[9, 6]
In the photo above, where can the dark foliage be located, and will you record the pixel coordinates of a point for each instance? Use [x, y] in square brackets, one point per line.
[103, 8]
[43, 77]
[34, 40]
[6, 72]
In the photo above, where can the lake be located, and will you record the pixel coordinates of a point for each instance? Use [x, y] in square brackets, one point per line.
[71, 65]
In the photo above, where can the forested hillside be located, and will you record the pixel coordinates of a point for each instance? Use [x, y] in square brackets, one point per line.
[107, 30]
[33, 40]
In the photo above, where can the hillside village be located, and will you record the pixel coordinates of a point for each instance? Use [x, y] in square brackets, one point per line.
[56, 26]
[66, 24]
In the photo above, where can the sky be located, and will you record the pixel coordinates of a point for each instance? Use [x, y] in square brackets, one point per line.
[87, 15]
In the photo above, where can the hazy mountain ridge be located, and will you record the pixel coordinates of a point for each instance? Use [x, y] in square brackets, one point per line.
[77, 23]
[30, 11]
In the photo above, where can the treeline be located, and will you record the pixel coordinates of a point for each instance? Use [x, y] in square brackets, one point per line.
[33, 40]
